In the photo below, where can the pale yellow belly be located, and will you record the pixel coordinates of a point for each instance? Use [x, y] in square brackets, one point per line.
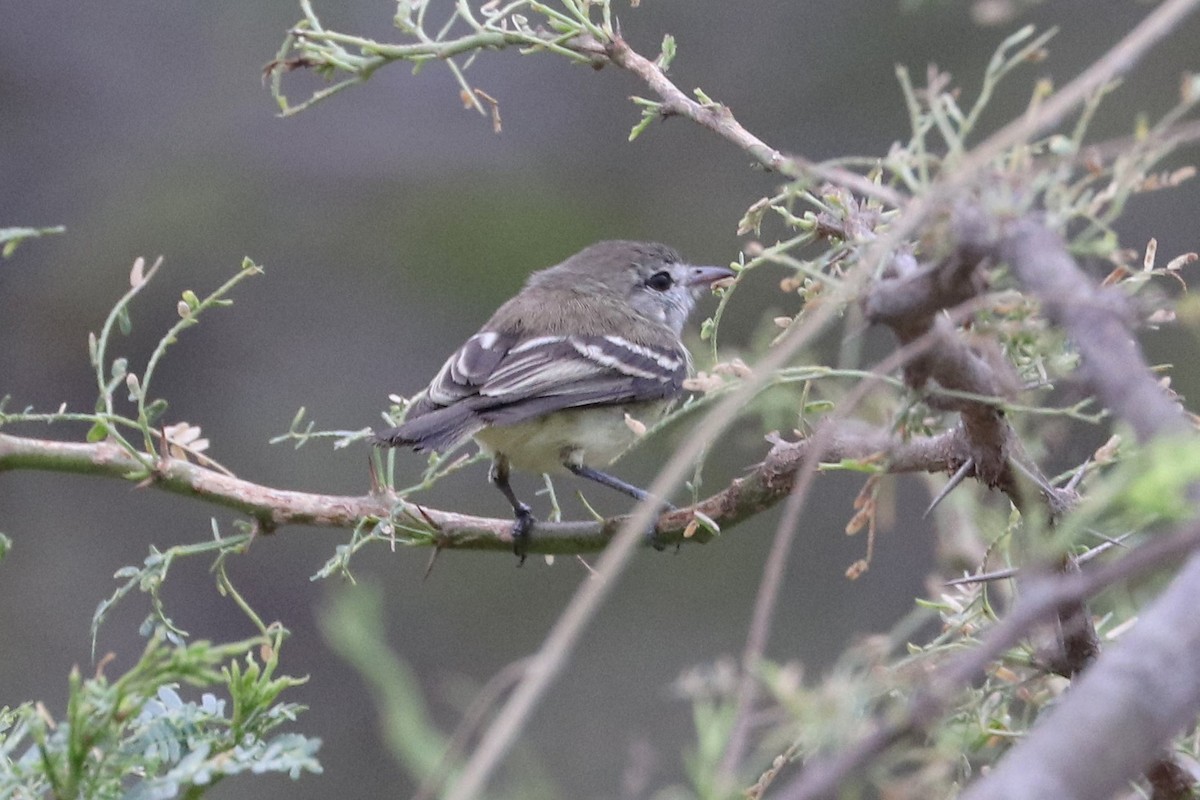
[592, 436]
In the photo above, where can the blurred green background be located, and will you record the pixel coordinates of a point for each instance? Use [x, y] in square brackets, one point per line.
[391, 222]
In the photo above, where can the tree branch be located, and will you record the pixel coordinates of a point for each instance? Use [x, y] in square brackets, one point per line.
[761, 488]
[1097, 319]
[1042, 597]
[1070, 753]
[1112, 364]
[719, 119]
[1109, 701]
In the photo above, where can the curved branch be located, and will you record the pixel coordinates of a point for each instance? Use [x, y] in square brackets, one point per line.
[765, 485]
[720, 120]
[1097, 319]
[272, 507]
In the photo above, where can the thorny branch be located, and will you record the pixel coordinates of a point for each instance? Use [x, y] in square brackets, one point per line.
[1112, 365]
[1042, 596]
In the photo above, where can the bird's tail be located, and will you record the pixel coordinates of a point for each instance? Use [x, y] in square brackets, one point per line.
[437, 430]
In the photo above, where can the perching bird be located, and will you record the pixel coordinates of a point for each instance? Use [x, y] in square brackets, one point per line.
[547, 383]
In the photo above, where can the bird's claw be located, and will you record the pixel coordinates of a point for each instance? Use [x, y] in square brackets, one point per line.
[651, 533]
[523, 523]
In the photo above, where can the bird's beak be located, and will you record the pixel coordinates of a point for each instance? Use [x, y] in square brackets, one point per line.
[707, 276]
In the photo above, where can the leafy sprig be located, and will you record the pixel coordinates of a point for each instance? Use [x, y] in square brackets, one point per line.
[574, 29]
[137, 736]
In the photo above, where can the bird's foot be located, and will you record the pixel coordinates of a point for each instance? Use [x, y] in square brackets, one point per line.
[522, 528]
[651, 532]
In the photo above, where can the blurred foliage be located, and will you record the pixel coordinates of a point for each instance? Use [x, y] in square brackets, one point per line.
[353, 623]
[11, 238]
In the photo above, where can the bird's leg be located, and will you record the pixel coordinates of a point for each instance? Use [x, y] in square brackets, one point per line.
[613, 482]
[523, 514]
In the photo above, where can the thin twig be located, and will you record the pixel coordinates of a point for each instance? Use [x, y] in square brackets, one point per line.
[720, 120]
[760, 622]
[473, 717]
[789, 523]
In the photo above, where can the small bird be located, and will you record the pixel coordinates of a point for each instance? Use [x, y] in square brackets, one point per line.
[552, 380]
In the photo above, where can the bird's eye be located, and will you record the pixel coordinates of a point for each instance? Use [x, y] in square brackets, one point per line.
[660, 281]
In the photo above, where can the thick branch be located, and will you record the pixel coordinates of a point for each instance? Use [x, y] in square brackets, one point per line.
[912, 300]
[1113, 366]
[1118, 715]
[1097, 319]
[1040, 601]
[1070, 754]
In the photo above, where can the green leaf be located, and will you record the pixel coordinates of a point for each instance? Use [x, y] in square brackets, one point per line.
[155, 410]
[97, 433]
[667, 53]
[123, 320]
[648, 116]
[146, 735]
[5, 546]
[11, 237]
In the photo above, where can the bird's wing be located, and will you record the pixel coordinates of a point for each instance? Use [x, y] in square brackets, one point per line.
[500, 379]
[468, 369]
[500, 368]
[569, 365]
